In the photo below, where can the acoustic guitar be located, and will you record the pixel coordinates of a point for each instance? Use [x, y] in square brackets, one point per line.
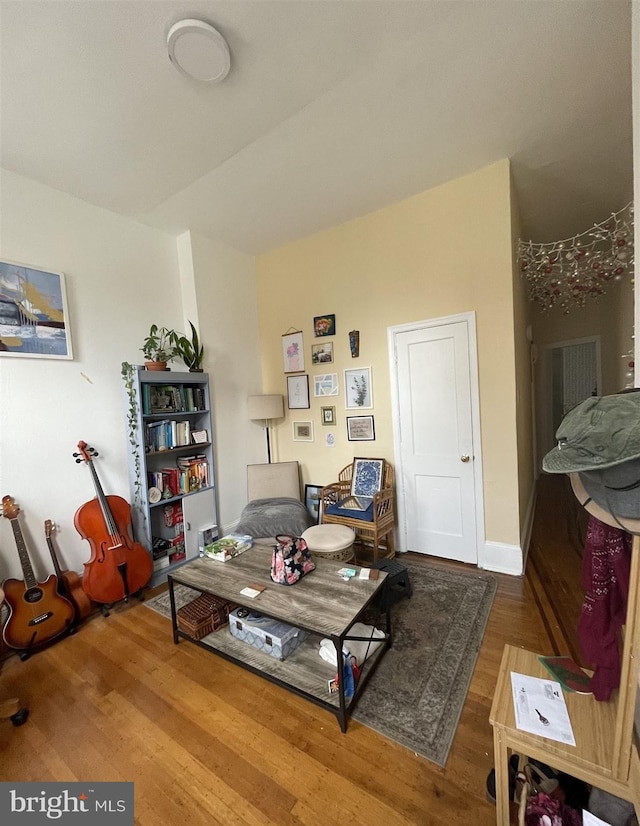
[69, 583]
[38, 613]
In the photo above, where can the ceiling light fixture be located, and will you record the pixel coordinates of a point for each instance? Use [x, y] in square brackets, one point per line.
[198, 50]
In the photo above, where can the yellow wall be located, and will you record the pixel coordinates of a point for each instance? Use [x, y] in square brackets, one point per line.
[445, 251]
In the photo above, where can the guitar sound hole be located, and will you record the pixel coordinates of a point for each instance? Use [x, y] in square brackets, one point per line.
[33, 595]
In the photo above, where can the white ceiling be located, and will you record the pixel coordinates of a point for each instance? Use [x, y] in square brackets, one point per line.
[332, 109]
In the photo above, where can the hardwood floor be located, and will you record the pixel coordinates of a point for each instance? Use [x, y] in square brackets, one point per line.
[206, 742]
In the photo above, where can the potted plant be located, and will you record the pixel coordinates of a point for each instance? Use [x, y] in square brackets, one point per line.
[159, 347]
[191, 351]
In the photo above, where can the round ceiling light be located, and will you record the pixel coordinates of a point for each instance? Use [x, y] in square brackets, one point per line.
[198, 50]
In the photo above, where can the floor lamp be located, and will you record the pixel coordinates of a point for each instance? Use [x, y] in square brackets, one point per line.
[265, 408]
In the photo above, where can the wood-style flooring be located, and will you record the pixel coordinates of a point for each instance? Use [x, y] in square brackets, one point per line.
[206, 742]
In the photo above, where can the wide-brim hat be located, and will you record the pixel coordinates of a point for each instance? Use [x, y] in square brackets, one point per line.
[601, 432]
[595, 509]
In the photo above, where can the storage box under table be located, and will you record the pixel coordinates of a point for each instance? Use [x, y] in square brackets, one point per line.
[275, 638]
[203, 615]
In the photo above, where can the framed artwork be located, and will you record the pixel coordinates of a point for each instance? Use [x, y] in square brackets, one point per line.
[324, 325]
[326, 385]
[302, 431]
[360, 429]
[292, 352]
[34, 317]
[328, 415]
[367, 476]
[298, 392]
[357, 388]
[312, 501]
[322, 353]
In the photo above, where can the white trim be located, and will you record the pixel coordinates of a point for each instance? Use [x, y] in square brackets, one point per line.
[392, 332]
[528, 527]
[502, 558]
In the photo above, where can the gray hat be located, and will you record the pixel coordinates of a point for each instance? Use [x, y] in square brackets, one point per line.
[600, 432]
[616, 489]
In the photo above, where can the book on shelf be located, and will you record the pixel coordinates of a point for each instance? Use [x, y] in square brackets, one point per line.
[229, 546]
[568, 673]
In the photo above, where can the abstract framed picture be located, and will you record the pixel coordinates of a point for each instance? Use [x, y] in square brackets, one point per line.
[360, 429]
[34, 317]
[292, 352]
[324, 325]
[302, 431]
[298, 392]
[322, 353]
[312, 501]
[357, 388]
[326, 385]
[367, 476]
[328, 415]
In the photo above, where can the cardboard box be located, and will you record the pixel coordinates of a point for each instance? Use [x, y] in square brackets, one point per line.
[274, 638]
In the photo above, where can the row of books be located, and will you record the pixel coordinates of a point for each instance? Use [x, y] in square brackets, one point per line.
[166, 434]
[168, 551]
[172, 398]
[191, 473]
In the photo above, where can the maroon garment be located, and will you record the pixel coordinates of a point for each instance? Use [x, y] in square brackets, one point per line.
[605, 578]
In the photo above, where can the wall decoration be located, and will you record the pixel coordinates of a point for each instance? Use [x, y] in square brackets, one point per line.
[326, 385]
[322, 353]
[313, 501]
[297, 392]
[329, 439]
[302, 431]
[357, 388]
[354, 343]
[292, 352]
[328, 415]
[360, 429]
[367, 476]
[34, 318]
[324, 325]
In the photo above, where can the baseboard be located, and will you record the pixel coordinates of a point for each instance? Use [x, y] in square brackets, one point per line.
[501, 558]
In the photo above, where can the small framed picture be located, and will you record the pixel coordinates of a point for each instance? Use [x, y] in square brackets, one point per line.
[322, 353]
[312, 501]
[298, 392]
[360, 429]
[292, 352]
[357, 388]
[326, 385]
[302, 431]
[324, 325]
[199, 437]
[328, 415]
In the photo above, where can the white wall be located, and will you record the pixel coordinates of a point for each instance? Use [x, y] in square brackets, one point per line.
[121, 277]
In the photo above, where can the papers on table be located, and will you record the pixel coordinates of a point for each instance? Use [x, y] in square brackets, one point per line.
[540, 708]
[591, 820]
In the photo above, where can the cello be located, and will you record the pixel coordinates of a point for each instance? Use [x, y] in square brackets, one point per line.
[119, 566]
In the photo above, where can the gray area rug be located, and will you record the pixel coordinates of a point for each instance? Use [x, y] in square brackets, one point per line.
[416, 695]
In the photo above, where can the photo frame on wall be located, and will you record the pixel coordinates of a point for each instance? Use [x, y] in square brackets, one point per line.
[322, 353]
[324, 325]
[302, 431]
[292, 352]
[313, 501]
[326, 385]
[357, 388]
[34, 316]
[360, 429]
[298, 392]
[328, 415]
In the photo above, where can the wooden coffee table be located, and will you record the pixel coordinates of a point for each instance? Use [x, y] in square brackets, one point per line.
[321, 603]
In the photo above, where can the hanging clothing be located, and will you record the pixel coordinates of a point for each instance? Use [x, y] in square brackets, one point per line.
[605, 577]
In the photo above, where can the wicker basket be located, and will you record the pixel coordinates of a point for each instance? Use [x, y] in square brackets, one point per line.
[203, 615]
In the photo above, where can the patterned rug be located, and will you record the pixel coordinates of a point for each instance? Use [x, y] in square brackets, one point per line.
[416, 695]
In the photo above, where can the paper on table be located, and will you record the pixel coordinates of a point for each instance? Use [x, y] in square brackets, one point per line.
[540, 708]
[591, 820]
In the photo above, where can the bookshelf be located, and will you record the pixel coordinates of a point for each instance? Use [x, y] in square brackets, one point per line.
[171, 466]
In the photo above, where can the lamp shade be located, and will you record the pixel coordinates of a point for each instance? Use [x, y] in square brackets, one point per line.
[265, 407]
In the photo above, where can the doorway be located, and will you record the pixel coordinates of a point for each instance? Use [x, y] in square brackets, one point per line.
[435, 408]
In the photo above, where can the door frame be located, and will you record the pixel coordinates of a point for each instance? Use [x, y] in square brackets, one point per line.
[392, 333]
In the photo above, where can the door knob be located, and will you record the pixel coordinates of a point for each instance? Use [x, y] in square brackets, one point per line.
[465, 458]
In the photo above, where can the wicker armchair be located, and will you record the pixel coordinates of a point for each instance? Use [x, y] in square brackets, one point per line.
[373, 527]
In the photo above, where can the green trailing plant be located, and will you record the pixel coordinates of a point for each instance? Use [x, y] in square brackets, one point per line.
[127, 372]
[161, 344]
[191, 351]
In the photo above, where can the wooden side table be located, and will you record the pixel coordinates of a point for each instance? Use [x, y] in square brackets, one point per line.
[593, 759]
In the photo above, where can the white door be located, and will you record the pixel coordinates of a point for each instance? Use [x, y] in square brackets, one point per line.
[435, 440]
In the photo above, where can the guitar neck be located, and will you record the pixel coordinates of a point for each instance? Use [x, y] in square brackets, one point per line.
[54, 558]
[25, 562]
